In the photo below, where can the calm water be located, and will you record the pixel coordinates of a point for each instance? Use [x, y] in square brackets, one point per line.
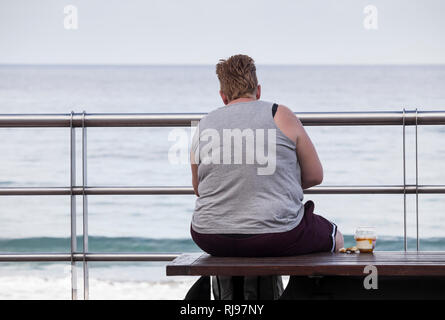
[138, 157]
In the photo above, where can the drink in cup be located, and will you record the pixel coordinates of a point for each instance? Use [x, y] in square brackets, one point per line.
[365, 238]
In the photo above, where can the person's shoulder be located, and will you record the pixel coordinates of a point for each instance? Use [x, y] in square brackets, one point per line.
[287, 122]
[211, 114]
[285, 111]
[287, 116]
[218, 110]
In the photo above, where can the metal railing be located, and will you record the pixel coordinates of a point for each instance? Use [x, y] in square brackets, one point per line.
[83, 121]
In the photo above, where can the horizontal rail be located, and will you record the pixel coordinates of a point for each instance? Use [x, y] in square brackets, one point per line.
[98, 257]
[184, 119]
[49, 191]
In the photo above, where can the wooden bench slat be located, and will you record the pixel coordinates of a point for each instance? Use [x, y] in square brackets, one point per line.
[181, 264]
[387, 263]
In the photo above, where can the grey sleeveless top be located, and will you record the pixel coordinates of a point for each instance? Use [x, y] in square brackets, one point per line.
[248, 172]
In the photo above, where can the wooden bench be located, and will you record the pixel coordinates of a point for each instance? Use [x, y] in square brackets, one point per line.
[407, 274]
[339, 264]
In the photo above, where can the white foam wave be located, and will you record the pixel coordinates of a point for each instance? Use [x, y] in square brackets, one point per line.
[32, 287]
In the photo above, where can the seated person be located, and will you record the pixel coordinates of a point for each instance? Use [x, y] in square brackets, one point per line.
[251, 160]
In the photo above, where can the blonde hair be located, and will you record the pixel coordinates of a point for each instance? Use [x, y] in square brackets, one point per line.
[237, 76]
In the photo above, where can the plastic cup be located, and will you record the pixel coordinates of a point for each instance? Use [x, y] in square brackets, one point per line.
[365, 238]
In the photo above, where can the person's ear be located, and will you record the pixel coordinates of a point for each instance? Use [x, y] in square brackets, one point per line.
[258, 92]
[223, 97]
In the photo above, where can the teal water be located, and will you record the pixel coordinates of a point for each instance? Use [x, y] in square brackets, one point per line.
[133, 244]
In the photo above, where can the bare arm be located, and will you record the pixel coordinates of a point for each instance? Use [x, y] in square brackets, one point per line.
[311, 168]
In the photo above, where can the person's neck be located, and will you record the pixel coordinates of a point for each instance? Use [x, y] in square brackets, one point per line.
[245, 99]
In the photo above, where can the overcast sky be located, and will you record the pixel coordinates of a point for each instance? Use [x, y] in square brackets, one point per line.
[202, 31]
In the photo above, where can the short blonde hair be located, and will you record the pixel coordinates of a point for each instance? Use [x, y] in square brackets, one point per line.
[237, 76]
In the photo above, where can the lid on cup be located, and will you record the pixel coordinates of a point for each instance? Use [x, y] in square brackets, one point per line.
[365, 232]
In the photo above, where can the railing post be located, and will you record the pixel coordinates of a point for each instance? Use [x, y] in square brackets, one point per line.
[405, 244]
[417, 191]
[73, 207]
[86, 289]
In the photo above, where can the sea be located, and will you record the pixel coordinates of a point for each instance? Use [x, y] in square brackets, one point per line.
[351, 155]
